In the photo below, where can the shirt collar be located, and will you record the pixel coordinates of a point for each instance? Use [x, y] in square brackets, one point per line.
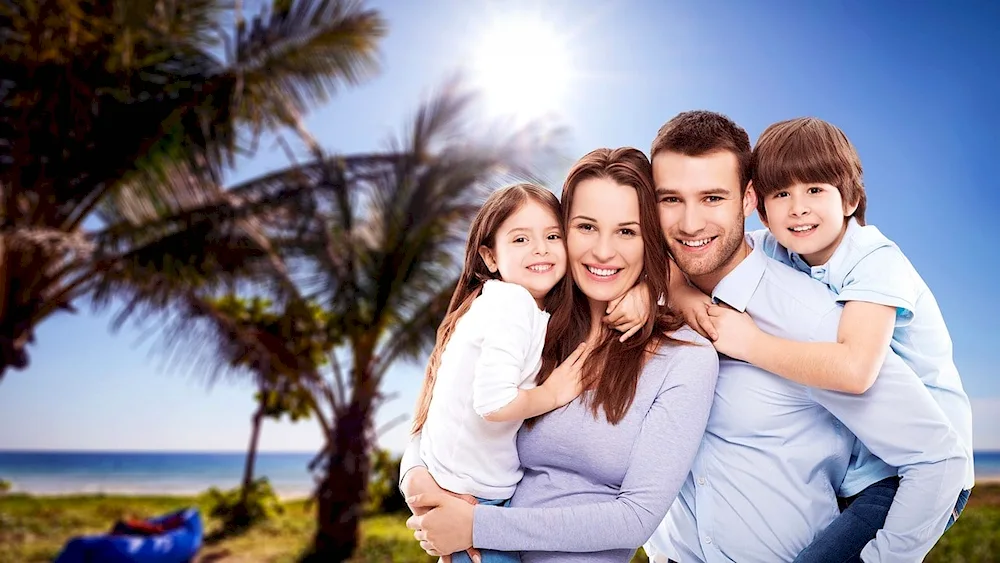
[738, 287]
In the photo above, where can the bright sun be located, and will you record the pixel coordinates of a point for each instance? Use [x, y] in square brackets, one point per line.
[523, 67]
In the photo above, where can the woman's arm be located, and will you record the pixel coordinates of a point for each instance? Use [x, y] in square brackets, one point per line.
[661, 459]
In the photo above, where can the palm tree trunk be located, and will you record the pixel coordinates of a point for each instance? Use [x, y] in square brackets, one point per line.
[258, 419]
[241, 517]
[344, 488]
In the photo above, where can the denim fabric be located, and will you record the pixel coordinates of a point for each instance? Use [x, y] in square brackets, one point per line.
[488, 555]
[862, 516]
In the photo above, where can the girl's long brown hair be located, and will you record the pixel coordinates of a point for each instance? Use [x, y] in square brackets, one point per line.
[612, 384]
[497, 208]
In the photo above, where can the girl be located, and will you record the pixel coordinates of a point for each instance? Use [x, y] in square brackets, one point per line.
[480, 381]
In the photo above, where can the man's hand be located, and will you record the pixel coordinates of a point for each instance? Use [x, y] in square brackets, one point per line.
[736, 332]
[629, 313]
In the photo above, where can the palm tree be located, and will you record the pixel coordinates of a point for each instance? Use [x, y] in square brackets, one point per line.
[274, 349]
[381, 255]
[118, 120]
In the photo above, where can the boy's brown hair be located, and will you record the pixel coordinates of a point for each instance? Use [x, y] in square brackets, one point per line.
[701, 132]
[805, 150]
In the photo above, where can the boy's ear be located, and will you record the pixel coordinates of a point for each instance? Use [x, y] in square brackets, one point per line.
[487, 255]
[850, 208]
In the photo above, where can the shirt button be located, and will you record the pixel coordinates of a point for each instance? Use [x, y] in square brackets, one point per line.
[708, 539]
[701, 480]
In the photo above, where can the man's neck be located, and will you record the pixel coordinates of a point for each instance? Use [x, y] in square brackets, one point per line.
[707, 282]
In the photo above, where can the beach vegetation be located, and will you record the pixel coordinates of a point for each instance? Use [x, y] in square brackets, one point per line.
[34, 529]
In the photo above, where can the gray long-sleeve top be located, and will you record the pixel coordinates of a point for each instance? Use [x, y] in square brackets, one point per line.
[592, 491]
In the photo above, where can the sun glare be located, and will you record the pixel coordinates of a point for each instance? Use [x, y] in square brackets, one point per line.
[523, 68]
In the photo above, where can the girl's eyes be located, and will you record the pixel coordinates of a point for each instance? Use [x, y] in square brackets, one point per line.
[520, 239]
[554, 236]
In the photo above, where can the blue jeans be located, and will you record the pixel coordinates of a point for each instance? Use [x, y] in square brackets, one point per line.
[861, 517]
[488, 555]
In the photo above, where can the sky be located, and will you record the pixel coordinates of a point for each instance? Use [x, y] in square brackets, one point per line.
[913, 85]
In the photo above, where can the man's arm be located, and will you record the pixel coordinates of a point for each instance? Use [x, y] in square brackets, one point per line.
[900, 423]
[850, 364]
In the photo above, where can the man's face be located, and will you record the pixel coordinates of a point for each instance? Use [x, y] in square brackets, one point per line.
[701, 211]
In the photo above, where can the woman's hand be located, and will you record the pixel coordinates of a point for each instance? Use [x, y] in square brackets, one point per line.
[418, 481]
[693, 305]
[629, 313]
[445, 525]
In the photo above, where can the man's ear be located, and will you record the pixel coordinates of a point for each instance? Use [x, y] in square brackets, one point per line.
[487, 255]
[749, 200]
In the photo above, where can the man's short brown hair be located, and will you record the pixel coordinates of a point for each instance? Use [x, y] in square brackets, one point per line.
[700, 132]
[806, 150]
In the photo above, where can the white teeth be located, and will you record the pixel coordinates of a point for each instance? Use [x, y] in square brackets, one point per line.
[540, 267]
[696, 243]
[603, 271]
[803, 228]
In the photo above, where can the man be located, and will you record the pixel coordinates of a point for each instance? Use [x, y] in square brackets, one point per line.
[764, 482]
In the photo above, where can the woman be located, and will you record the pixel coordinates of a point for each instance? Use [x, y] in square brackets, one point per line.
[601, 472]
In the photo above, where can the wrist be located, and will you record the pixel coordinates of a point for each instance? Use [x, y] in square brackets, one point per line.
[755, 346]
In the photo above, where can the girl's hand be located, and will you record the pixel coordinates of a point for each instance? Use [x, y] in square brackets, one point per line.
[564, 383]
[735, 332]
[629, 313]
[446, 525]
[693, 305]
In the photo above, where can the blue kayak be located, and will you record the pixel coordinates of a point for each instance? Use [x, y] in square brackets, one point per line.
[171, 538]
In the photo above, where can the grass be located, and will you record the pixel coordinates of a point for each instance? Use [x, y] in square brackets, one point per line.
[33, 529]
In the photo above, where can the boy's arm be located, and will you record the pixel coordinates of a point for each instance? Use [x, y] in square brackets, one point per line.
[849, 365]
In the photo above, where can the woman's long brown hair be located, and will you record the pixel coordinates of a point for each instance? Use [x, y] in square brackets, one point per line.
[612, 384]
[497, 208]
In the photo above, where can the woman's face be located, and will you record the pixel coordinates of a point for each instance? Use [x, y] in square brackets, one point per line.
[603, 240]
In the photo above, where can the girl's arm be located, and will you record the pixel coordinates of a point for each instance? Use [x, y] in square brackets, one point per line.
[661, 460]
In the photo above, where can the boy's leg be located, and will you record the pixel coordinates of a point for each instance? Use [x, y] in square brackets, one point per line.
[845, 537]
[963, 498]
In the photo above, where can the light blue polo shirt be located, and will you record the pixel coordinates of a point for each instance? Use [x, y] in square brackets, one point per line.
[867, 266]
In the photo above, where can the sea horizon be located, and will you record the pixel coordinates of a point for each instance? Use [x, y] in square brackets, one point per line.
[185, 473]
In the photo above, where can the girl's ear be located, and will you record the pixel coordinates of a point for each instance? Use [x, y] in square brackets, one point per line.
[487, 255]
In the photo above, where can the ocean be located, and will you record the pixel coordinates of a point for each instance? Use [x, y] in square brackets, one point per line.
[149, 473]
[190, 473]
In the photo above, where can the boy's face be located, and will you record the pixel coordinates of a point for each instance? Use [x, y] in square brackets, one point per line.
[808, 219]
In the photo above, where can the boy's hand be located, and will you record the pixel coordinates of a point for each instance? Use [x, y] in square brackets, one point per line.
[629, 313]
[736, 332]
[693, 305]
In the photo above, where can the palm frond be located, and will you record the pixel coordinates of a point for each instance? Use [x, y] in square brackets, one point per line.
[295, 55]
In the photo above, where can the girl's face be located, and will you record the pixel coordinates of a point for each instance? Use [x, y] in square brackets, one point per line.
[604, 242]
[528, 250]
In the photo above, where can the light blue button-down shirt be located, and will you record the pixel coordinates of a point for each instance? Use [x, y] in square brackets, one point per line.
[867, 266]
[775, 452]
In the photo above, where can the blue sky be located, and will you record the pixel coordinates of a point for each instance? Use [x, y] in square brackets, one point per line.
[914, 87]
